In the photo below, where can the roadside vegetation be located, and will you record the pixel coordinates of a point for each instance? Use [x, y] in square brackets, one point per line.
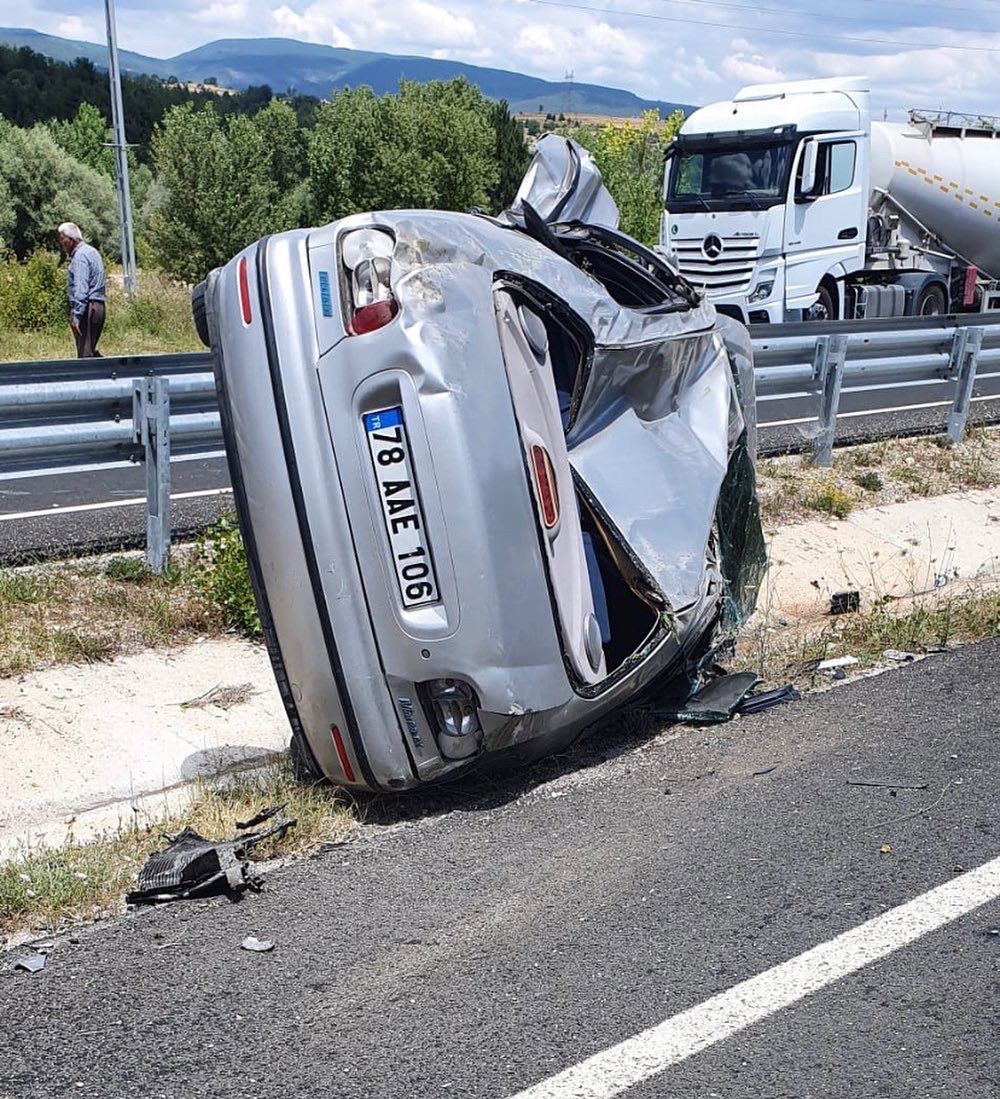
[893, 471]
[96, 609]
[52, 887]
[788, 652]
[34, 319]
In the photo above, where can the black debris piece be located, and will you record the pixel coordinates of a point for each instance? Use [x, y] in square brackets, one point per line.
[991, 932]
[258, 946]
[192, 866]
[714, 703]
[887, 785]
[32, 963]
[766, 771]
[755, 704]
[845, 602]
[259, 818]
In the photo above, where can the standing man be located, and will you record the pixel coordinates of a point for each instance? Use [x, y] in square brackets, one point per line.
[85, 287]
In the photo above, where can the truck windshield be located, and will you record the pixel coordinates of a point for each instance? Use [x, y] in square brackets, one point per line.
[721, 177]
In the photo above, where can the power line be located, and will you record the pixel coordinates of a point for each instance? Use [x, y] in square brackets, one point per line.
[811, 35]
[822, 14]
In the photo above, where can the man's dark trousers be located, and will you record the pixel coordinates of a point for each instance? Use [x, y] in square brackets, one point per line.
[91, 326]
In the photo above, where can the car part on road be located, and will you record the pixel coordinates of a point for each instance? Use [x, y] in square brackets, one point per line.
[755, 704]
[717, 701]
[495, 476]
[33, 963]
[192, 866]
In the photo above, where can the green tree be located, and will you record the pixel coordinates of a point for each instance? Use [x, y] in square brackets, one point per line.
[512, 155]
[85, 137]
[45, 185]
[430, 145]
[224, 183]
[631, 160]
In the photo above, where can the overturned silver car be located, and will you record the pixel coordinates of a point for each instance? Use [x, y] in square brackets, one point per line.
[494, 475]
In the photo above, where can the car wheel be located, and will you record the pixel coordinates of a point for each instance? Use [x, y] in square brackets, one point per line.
[931, 302]
[825, 308]
[198, 313]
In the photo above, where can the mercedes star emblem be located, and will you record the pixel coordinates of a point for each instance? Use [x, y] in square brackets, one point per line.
[712, 246]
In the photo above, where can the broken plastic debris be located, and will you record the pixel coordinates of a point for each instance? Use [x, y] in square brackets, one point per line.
[715, 702]
[259, 818]
[32, 963]
[259, 946]
[193, 866]
[755, 704]
[836, 662]
[885, 849]
[845, 602]
[899, 656]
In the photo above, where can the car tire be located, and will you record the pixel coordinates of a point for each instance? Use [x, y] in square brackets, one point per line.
[931, 302]
[198, 313]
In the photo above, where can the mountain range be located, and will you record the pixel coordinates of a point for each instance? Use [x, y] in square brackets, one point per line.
[312, 69]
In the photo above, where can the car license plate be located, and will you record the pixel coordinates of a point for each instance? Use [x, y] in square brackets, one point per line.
[401, 510]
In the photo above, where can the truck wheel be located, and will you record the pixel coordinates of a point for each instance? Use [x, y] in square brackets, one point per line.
[931, 302]
[825, 308]
[198, 313]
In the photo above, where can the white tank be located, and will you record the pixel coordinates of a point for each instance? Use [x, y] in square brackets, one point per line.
[949, 183]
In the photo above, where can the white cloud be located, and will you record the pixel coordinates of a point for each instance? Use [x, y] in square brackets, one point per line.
[750, 69]
[223, 11]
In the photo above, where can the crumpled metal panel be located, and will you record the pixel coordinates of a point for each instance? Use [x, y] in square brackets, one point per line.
[651, 443]
[563, 183]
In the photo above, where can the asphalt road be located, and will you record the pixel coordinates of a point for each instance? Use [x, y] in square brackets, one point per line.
[53, 514]
[476, 942]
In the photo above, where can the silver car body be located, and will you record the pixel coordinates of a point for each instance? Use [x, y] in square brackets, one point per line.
[509, 655]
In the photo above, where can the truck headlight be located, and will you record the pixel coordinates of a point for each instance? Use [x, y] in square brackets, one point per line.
[761, 292]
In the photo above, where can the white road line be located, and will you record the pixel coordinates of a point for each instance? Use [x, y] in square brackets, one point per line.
[109, 504]
[62, 471]
[637, 1059]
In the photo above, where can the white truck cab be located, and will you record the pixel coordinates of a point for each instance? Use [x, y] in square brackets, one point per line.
[788, 203]
[767, 198]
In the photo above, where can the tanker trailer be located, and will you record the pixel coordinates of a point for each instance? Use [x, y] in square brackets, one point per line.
[935, 210]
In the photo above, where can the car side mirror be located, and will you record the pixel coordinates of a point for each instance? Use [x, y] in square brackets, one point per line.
[807, 181]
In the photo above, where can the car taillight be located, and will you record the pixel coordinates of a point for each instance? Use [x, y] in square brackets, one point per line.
[545, 482]
[244, 284]
[369, 318]
[367, 256]
[338, 743]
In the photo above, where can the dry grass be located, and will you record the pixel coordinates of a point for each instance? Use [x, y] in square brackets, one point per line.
[89, 611]
[54, 887]
[893, 471]
[777, 652]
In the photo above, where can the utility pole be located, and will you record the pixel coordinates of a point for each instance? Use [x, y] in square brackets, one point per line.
[120, 147]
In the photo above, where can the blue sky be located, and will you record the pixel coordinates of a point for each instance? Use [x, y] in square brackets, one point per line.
[917, 52]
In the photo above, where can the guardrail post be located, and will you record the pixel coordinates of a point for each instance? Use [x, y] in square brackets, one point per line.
[964, 362]
[828, 370]
[151, 421]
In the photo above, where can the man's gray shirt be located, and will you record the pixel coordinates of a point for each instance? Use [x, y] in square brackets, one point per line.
[85, 281]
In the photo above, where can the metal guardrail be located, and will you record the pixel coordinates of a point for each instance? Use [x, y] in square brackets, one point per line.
[79, 413]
